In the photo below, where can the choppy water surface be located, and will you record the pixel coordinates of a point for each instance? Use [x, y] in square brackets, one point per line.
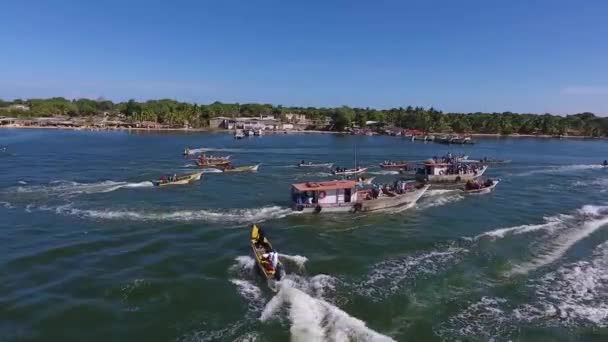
[92, 251]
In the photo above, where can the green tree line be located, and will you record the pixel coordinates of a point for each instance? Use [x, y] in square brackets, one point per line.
[177, 114]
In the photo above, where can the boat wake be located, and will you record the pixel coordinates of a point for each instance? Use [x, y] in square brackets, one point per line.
[480, 321]
[561, 233]
[226, 216]
[297, 260]
[562, 169]
[388, 277]
[600, 184]
[68, 188]
[384, 173]
[575, 293]
[314, 319]
[439, 197]
[211, 170]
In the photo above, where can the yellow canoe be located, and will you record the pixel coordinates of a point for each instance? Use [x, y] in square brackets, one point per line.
[252, 168]
[182, 180]
[259, 248]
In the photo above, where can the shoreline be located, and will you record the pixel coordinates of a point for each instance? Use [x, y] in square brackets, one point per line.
[207, 130]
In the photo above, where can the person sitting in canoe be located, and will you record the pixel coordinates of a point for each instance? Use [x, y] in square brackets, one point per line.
[272, 257]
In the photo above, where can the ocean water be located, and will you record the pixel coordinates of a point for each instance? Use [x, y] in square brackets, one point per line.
[92, 251]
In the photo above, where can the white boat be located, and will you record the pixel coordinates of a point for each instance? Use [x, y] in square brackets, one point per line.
[258, 133]
[436, 172]
[348, 172]
[250, 133]
[239, 134]
[343, 196]
[318, 165]
[366, 181]
[483, 190]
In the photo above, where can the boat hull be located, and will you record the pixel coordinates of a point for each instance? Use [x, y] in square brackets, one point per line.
[249, 168]
[483, 190]
[312, 166]
[350, 172]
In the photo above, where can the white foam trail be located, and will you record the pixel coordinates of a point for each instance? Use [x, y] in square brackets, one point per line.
[248, 290]
[482, 320]
[74, 188]
[234, 215]
[551, 224]
[384, 172]
[299, 260]
[387, 277]
[314, 319]
[22, 182]
[211, 170]
[574, 293]
[244, 262]
[562, 169]
[7, 205]
[439, 199]
[590, 219]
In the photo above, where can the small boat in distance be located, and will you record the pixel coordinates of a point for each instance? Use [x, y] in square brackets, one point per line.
[395, 166]
[479, 187]
[260, 246]
[250, 168]
[348, 172]
[258, 132]
[174, 180]
[313, 165]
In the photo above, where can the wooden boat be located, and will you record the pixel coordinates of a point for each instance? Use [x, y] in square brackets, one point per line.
[318, 165]
[436, 172]
[343, 196]
[182, 180]
[395, 166]
[260, 245]
[251, 168]
[212, 163]
[482, 190]
[349, 172]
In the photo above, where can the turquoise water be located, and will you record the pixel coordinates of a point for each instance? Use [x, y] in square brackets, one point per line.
[91, 251]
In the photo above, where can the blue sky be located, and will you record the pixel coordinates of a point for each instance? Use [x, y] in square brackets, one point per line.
[456, 55]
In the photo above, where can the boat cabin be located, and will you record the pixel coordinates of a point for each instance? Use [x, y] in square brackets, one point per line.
[432, 168]
[324, 193]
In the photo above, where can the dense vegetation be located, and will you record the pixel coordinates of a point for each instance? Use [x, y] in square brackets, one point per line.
[174, 113]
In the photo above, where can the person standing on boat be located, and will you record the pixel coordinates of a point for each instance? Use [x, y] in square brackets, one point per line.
[605, 163]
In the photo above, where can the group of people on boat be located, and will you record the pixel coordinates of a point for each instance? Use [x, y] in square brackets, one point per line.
[478, 184]
[168, 178]
[449, 158]
[393, 163]
[304, 198]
